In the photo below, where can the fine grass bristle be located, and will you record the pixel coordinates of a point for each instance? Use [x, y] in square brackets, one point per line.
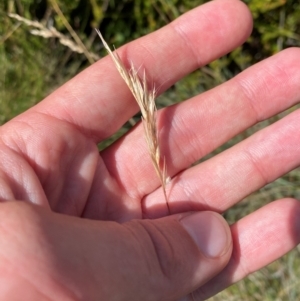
[146, 101]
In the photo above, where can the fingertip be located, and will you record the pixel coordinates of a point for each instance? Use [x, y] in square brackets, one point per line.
[237, 20]
[222, 24]
[289, 62]
[245, 15]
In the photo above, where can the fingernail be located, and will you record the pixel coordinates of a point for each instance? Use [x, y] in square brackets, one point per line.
[209, 231]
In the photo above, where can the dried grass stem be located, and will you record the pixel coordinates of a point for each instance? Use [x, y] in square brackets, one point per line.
[52, 32]
[146, 101]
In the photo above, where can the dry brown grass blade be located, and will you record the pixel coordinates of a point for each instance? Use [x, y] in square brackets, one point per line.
[51, 32]
[146, 102]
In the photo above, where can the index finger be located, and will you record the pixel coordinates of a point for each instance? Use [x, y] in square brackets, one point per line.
[98, 102]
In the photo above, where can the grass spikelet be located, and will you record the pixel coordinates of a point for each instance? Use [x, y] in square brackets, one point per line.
[146, 101]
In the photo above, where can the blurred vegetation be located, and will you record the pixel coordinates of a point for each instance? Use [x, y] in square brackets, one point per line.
[33, 66]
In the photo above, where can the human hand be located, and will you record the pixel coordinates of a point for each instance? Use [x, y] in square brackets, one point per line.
[49, 157]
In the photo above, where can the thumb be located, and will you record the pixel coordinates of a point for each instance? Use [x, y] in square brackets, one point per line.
[161, 259]
[69, 258]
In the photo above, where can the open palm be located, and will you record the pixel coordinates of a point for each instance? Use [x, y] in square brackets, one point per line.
[49, 154]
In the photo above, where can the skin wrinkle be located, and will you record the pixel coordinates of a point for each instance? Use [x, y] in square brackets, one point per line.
[257, 167]
[146, 53]
[52, 174]
[249, 93]
[71, 201]
[180, 32]
[68, 117]
[16, 142]
[273, 72]
[53, 190]
[162, 248]
[178, 28]
[6, 193]
[111, 191]
[193, 195]
[276, 141]
[102, 111]
[167, 260]
[176, 127]
[288, 76]
[159, 260]
[92, 109]
[240, 174]
[149, 264]
[23, 182]
[195, 150]
[126, 169]
[64, 147]
[179, 127]
[136, 238]
[16, 177]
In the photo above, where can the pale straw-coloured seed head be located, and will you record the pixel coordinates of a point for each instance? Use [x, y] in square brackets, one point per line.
[146, 101]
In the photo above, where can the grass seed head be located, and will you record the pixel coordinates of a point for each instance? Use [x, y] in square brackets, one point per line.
[146, 102]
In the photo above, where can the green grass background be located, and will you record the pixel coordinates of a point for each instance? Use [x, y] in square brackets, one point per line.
[32, 67]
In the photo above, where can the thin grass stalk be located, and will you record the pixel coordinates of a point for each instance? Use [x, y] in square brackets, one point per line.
[71, 31]
[146, 101]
